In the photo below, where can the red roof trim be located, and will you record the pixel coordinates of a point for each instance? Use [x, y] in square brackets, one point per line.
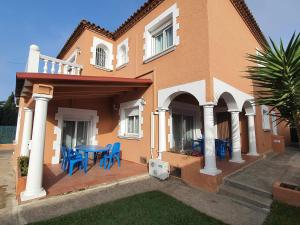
[57, 77]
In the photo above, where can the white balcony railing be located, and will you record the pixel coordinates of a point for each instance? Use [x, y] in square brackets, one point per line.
[46, 64]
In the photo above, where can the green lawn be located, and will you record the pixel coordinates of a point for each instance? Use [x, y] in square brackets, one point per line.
[282, 214]
[143, 209]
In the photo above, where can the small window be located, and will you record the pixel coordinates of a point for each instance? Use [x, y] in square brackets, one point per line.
[161, 34]
[274, 124]
[163, 39]
[123, 55]
[132, 121]
[102, 54]
[101, 57]
[265, 117]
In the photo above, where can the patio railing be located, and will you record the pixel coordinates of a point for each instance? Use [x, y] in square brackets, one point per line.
[38, 62]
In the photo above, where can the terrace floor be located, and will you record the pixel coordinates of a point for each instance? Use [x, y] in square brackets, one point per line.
[229, 167]
[57, 182]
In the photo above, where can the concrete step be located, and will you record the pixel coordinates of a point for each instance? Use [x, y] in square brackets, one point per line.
[246, 197]
[251, 189]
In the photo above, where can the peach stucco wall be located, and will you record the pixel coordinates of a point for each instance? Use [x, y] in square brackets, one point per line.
[189, 62]
[230, 40]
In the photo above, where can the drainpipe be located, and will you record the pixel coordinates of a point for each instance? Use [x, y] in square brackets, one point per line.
[152, 133]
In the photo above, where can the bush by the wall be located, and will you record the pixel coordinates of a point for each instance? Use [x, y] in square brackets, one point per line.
[23, 162]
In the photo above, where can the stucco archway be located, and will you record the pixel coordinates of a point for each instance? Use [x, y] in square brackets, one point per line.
[196, 89]
[230, 101]
[249, 107]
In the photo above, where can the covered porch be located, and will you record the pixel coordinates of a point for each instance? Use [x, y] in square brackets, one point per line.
[66, 110]
[185, 116]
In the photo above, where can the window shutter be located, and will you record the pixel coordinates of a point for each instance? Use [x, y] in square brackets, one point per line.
[132, 111]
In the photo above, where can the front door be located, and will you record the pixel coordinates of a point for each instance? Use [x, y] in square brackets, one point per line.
[183, 131]
[75, 133]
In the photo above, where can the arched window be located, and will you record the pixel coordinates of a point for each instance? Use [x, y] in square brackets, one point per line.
[123, 55]
[101, 57]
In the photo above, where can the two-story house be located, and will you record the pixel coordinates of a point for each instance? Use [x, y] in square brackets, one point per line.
[170, 74]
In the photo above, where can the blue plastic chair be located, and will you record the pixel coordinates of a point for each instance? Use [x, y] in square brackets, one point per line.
[195, 144]
[201, 142]
[230, 148]
[74, 158]
[217, 147]
[64, 162]
[222, 149]
[103, 154]
[113, 154]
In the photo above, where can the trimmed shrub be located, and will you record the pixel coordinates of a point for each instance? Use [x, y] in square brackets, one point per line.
[23, 165]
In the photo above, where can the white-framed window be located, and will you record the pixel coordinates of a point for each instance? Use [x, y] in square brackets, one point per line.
[131, 120]
[161, 34]
[102, 56]
[122, 53]
[265, 117]
[162, 38]
[274, 123]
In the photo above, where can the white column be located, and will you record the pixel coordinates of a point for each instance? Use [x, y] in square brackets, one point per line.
[26, 131]
[33, 59]
[18, 126]
[210, 167]
[236, 138]
[251, 135]
[162, 142]
[34, 187]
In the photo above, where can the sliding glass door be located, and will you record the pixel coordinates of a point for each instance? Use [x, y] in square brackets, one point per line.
[75, 133]
[183, 131]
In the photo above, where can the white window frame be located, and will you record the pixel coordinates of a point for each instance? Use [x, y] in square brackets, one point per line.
[123, 118]
[265, 118]
[74, 114]
[167, 17]
[102, 57]
[123, 44]
[127, 132]
[274, 123]
[161, 31]
[108, 47]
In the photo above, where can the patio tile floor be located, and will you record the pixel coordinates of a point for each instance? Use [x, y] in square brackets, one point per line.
[57, 182]
[229, 167]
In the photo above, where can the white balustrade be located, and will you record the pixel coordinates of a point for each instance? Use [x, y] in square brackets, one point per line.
[57, 66]
[63, 67]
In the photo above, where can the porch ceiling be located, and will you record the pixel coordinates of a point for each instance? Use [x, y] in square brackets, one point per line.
[74, 86]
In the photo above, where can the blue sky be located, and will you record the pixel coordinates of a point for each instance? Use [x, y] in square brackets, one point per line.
[49, 24]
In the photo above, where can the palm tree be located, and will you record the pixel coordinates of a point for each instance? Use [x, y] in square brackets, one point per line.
[276, 79]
